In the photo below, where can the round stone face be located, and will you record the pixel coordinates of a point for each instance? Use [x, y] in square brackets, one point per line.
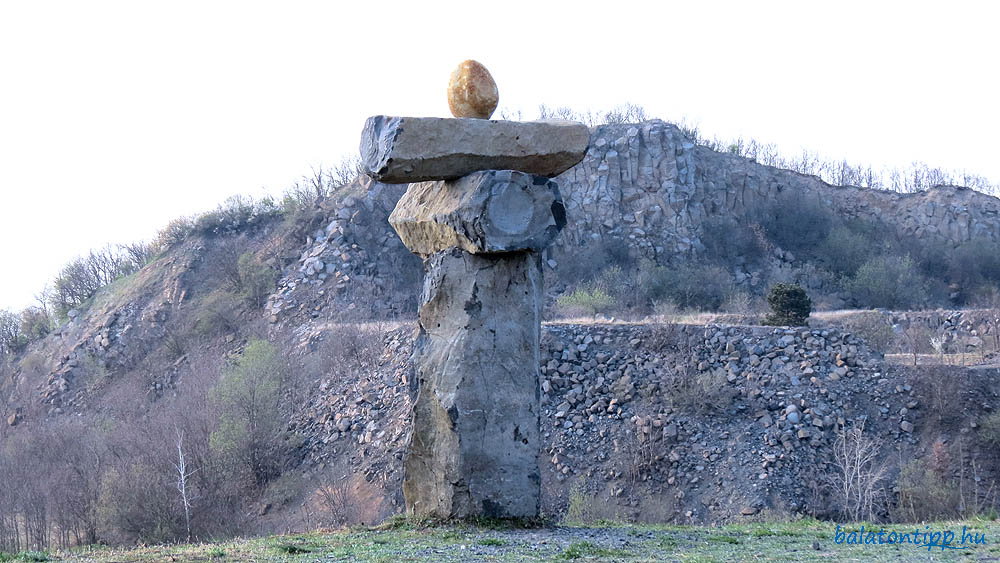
[472, 91]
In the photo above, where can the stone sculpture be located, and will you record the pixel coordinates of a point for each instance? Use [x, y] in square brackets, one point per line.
[481, 209]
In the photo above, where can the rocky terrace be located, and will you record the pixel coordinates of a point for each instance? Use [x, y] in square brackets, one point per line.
[679, 422]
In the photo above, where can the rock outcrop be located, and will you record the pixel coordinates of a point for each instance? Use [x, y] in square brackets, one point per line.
[653, 187]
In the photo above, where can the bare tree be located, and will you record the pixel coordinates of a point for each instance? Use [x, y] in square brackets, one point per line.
[346, 172]
[510, 114]
[11, 338]
[860, 477]
[182, 482]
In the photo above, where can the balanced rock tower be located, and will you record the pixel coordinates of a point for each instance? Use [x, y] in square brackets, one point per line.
[479, 209]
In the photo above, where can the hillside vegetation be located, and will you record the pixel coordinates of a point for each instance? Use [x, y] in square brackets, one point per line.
[247, 371]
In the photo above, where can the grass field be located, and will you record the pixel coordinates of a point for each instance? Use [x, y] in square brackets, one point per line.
[402, 540]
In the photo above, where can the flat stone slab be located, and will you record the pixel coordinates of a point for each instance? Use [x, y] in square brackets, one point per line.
[399, 150]
[486, 212]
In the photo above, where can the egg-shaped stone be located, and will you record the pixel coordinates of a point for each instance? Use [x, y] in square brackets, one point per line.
[472, 91]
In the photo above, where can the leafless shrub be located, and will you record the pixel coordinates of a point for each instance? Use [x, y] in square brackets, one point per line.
[79, 280]
[140, 253]
[509, 114]
[350, 349]
[874, 328]
[346, 171]
[913, 338]
[184, 473]
[860, 478]
[938, 387]
[337, 500]
[642, 453]
[174, 233]
[663, 337]
[626, 113]
[925, 488]
[696, 391]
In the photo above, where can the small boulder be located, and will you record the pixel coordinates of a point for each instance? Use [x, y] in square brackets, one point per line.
[472, 92]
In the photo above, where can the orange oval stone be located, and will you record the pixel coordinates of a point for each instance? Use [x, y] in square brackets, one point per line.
[472, 91]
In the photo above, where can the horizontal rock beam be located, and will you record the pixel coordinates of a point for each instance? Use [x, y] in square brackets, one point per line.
[398, 150]
[486, 212]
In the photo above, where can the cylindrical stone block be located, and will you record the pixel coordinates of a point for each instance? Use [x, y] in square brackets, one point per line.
[485, 212]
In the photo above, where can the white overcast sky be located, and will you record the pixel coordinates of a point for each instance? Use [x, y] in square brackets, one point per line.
[116, 117]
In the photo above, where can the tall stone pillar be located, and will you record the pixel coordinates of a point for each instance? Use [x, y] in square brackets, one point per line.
[475, 446]
[475, 443]
[482, 209]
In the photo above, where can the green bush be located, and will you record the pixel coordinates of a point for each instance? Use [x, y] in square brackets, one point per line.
[925, 493]
[248, 438]
[236, 214]
[973, 266]
[217, 314]
[790, 306]
[619, 285]
[174, 233]
[590, 300]
[891, 282]
[590, 260]
[582, 505]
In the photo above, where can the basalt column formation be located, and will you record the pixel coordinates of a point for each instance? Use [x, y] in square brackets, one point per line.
[479, 209]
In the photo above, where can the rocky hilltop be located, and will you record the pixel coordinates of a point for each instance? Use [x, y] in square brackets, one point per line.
[653, 186]
[676, 422]
[651, 191]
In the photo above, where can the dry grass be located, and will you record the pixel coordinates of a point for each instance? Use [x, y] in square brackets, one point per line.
[968, 359]
[405, 540]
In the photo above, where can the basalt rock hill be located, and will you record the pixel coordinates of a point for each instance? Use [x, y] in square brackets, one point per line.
[653, 422]
[646, 191]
